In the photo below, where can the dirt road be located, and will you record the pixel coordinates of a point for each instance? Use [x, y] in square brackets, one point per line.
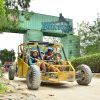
[47, 91]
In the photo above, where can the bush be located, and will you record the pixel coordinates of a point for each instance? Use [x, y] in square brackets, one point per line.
[93, 61]
[1, 73]
[1, 65]
[3, 88]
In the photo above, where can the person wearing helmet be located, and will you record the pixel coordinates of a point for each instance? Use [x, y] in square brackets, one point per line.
[49, 54]
[33, 57]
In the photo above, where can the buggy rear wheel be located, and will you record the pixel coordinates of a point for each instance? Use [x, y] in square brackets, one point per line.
[33, 77]
[11, 73]
[84, 75]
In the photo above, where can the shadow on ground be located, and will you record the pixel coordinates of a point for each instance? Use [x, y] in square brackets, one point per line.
[56, 85]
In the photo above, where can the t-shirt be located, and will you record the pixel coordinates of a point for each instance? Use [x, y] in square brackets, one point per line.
[46, 57]
[32, 60]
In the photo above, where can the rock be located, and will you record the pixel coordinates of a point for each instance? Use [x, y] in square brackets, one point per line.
[1, 95]
[96, 75]
[51, 94]
[21, 98]
[19, 85]
[24, 93]
[14, 97]
[19, 88]
[32, 98]
[11, 90]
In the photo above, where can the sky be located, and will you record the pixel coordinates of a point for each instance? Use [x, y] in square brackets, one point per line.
[78, 10]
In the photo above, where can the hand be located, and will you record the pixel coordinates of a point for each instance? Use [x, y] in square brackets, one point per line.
[51, 56]
[36, 59]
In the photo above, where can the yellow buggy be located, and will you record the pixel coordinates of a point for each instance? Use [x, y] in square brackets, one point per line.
[62, 68]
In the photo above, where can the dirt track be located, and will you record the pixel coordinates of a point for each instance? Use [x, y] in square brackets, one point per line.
[47, 91]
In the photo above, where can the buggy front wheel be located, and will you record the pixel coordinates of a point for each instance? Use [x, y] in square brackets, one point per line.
[84, 75]
[33, 77]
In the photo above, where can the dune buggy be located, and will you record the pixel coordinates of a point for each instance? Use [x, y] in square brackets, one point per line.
[62, 68]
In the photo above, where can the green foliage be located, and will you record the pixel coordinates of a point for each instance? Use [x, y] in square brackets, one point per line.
[16, 4]
[0, 65]
[9, 13]
[1, 70]
[5, 21]
[1, 73]
[2, 15]
[3, 88]
[2, 10]
[91, 60]
[92, 49]
[6, 55]
[12, 7]
[28, 15]
[89, 36]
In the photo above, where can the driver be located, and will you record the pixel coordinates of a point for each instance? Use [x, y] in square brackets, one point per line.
[49, 54]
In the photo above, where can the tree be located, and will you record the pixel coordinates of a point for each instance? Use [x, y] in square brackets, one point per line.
[13, 6]
[6, 55]
[17, 4]
[9, 13]
[2, 11]
[2, 15]
[89, 36]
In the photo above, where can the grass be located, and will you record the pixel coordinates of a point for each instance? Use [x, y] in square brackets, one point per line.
[3, 88]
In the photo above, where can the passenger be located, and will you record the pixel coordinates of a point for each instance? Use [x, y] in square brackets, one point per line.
[34, 58]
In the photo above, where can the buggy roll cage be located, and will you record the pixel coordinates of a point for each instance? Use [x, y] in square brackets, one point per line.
[43, 43]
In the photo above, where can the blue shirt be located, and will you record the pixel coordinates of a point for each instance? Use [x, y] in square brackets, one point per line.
[32, 60]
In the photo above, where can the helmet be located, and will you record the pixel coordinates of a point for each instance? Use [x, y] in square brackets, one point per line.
[49, 49]
[33, 50]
